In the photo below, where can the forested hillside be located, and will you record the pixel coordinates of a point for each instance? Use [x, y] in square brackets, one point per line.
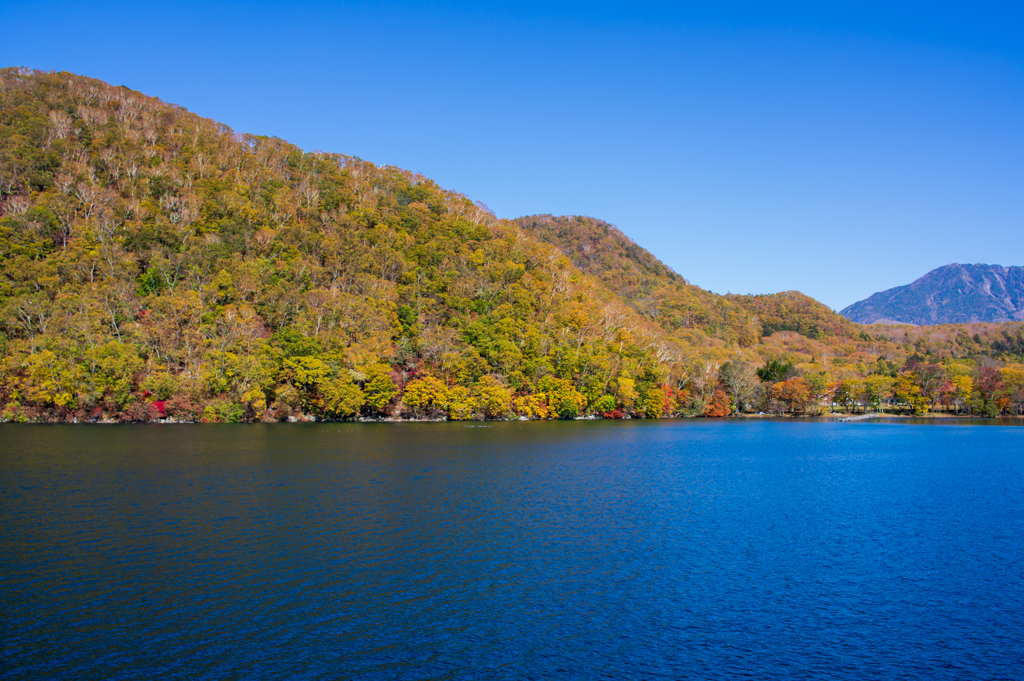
[645, 283]
[158, 265]
[152, 257]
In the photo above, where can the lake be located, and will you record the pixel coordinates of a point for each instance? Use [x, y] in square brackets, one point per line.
[537, 550]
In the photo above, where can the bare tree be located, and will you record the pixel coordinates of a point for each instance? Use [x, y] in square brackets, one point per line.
[741, 382]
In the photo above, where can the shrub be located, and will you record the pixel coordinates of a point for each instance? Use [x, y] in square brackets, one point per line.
[181, 408]
[603, 405]
[140, 411]
[223, 411]
[13, 413]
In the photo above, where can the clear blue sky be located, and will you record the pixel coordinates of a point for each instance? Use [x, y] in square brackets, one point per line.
[754, 147]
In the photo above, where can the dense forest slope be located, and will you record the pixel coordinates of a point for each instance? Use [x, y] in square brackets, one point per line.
[147, 251]
[953, 294]
[155, 264]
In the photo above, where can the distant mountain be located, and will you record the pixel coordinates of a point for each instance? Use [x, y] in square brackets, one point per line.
[954, 294]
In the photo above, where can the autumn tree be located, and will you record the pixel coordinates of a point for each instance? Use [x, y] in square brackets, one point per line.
[794, 393]
[719, 405]
[426, 396]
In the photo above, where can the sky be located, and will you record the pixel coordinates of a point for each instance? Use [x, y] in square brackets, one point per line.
[837, 149]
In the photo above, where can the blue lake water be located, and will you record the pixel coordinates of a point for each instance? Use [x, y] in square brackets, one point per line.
[579, 550]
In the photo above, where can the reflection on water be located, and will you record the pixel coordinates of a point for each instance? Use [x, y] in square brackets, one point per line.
[519, 550]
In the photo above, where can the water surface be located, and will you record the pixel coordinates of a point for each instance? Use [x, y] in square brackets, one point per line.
[672, 549]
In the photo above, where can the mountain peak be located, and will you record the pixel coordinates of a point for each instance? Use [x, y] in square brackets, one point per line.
[952, 294]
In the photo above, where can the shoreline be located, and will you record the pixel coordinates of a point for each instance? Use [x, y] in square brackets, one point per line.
[824, 418]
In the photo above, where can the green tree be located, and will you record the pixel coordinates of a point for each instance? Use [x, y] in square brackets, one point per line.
[341, 397]
[379, 388]
[562, 398]
[876, 388]
[652, 402]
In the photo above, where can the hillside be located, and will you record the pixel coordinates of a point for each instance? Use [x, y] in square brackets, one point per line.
[148, 251]
[793, 311]
[953, 294]
[158, 265]
[645, 283]
[662, 295]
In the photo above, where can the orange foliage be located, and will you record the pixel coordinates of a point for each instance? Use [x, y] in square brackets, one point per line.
[719, 405]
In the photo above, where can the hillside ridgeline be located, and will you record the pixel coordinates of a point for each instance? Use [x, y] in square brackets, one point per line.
[645, 283]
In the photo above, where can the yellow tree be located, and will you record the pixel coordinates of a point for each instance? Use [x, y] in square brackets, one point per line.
[847, 393]
[1013, 379]
[652, 403]
[562, 398]
[378, 387]
[492, 398]
[341, 397]
[425, 395]
[461, 405]
[963, 389]
[907, 391]
[533, 406]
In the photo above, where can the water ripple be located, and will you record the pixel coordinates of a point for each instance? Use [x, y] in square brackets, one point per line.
[591, 550]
